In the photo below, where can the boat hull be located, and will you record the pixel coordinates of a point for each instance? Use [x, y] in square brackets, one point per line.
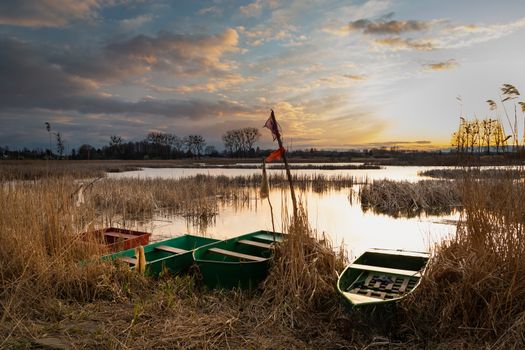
[381, 277]
[161, 260]
[116, 239]
[244, 271]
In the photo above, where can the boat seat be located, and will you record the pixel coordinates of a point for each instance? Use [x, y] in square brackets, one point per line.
[127, 259]
[236, 255]
[169, 249]
[397, 252]
[386, 270]
[256, 244]
[120, 235]
[268, 237]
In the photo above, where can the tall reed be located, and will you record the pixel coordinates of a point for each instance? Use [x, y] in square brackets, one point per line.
[41, 254]
[303, 275]
[474, 291]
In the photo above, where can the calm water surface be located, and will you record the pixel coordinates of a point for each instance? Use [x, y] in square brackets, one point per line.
[331, 213]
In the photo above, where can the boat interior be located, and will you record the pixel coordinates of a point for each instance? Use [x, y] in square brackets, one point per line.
[256, 248]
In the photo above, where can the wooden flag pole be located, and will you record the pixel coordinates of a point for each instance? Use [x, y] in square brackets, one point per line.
[288, 174]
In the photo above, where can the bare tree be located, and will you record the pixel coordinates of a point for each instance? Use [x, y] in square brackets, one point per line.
[60, 145]
[48, 128]
[115, 145]
[228, 140]
[251, 136]
[240, 141]
[195, 144]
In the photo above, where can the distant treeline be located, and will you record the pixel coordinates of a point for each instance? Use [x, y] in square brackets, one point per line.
[169, 146]
[238, 143]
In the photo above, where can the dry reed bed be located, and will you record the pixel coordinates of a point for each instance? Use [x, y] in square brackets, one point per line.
[474, 292]
[410, 198]
[473, 295]
[193, 197]
[39, 253]
[34, 170]
[47, 291]
[477, 173]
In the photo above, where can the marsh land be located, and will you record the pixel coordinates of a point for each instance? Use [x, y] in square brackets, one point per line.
[471, 296]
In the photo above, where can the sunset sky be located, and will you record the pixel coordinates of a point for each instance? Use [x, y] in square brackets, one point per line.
[339, 74]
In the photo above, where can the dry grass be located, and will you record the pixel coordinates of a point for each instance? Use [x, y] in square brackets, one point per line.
[473, 295]
[475, 288]
[40, 257]
[403, 198]
[473, 173]
[308, 266]
[53, 292]
[196, 197]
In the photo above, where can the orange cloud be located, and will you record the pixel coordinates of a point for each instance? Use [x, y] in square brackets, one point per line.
[212, 85]
[338, 30]
[356, 77]
[398, 43]
[441, 66]
[184, 54]
[49, 13]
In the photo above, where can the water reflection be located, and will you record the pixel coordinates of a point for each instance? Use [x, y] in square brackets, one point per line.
[333, 212]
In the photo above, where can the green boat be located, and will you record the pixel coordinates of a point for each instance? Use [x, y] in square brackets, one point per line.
[237, 262]
[173, 254]
[381, 276]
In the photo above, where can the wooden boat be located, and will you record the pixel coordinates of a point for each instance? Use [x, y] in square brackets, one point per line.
[173, 254]
[381, 276]
[116, 239]
[241, 261]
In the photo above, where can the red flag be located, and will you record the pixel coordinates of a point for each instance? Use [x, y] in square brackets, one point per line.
[275, 155]
[273, 126]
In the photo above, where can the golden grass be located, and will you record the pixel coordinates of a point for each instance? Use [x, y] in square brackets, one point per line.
[475, 287]
[460, 173]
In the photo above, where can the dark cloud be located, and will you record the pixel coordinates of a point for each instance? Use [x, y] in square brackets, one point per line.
[27, 75]
[178, 54]
[29, 81]
[386, 26]
[48, 13]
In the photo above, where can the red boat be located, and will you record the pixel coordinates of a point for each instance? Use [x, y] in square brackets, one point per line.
[116, 239]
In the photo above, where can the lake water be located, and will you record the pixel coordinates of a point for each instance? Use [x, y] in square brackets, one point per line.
[331, 213]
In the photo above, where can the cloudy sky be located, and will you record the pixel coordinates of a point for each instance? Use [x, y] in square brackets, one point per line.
[337, 73]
